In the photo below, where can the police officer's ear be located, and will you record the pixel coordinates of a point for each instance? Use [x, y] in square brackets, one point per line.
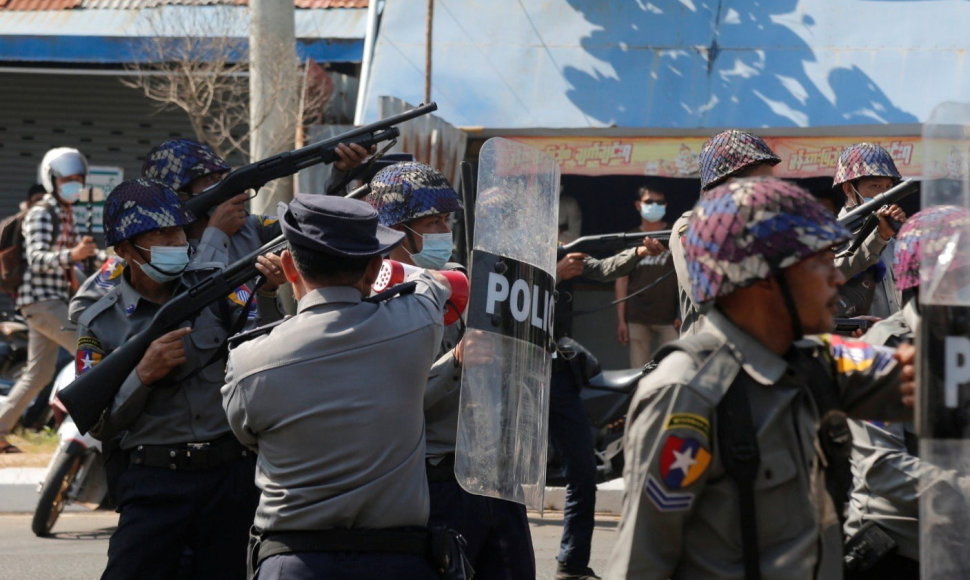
[126, 251]
[849, 190]
[372, 270]
[289, 267]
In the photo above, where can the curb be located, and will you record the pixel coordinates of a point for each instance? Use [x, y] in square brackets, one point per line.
[609, 497]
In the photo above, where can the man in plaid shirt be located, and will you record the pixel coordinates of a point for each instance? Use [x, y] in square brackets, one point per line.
[51, 247]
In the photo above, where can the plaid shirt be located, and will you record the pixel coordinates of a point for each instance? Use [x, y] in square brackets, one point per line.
[47, 253]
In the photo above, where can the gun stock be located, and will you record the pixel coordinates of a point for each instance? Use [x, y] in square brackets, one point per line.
[258, 174]
[613, 242]
[94, 391]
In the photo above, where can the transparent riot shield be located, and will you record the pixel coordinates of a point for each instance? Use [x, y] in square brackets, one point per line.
[502, 422]
[943, 407]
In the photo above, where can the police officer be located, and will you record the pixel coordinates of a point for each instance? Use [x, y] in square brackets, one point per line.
[727, 155]
[863, 171]
[723, 475]
[229, 233]
[416, 200]
[188, 486]
[332, 398]
[885, 463]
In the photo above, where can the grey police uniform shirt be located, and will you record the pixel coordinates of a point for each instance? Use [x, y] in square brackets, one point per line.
[680, 510]
[442, 396]
[215, 247]
[691, 315]
[331, 399]
[184, 407]
[885, 301]
[886, 476]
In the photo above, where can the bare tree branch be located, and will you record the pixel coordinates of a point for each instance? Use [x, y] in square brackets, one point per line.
[202, 69]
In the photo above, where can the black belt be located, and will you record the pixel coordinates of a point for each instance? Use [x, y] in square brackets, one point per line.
[190, 456]
[414, 541]
[443, 471]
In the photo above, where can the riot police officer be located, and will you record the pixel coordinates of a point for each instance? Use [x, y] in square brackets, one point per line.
[863, 171]
[187, 486]
[224, 236]
[416, 200]
[727, 155]
[723, 472]
[884, 502]
[331, 399]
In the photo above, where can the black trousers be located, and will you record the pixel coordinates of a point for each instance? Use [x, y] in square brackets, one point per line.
[183, 524]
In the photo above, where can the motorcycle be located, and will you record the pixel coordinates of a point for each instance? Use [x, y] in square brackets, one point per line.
[606, 396]
[75, 474]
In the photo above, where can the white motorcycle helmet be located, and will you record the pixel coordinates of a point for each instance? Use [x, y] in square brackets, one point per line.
[60, 162]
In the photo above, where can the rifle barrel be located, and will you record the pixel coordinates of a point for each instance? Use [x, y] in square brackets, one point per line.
[615, 241]
[258, 174]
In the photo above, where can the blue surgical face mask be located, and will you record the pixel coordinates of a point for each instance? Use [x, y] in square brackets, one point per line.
[70, 192]
[652, 212]
[167, 262]
[435, 251]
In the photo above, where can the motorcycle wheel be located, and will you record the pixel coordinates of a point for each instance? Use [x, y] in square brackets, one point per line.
[53, 494]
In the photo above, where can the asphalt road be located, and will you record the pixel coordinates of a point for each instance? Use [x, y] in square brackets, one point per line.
[79, 547]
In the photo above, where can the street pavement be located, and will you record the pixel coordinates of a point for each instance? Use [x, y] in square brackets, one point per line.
[78, 549]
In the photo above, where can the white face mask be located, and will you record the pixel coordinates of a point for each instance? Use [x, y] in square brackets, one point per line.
[652, 212]
[70, 192]
[167, 262]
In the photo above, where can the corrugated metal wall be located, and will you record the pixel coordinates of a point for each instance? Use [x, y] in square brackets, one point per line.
[110, 123]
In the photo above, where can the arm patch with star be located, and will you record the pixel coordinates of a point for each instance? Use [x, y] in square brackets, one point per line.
[89, 354]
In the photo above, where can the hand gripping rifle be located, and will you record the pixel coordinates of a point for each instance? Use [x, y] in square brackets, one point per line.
[94, 391]
[256, 175]
[612, 243]
[862, 219]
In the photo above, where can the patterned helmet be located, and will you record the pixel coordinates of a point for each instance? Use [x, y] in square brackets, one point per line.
[728, 152]
[743, 230]
[407, 191]
[926, 234]
[179, 162]
[141, 205]
[864, 160]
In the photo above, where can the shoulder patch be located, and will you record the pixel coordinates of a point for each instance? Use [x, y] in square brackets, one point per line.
[682, 461]
[109, 275]
[242, 337]
[689, 421]
[89, 353]
[855, 355]
[664, 500]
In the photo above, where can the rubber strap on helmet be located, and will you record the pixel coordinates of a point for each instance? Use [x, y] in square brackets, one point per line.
[796, 322]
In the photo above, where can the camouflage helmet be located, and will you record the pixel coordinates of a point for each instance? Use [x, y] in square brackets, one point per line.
[179, 162]
[141, 205]
[742, 231]
[926, 234]
[864, 160]
[407, 191]
[729, 152]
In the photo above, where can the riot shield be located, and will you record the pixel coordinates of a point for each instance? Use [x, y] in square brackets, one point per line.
[943, 407]
[502, 422]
